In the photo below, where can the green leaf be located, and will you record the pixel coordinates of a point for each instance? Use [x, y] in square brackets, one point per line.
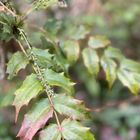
[79, 33]
[72, 50]
[91, 60]
[109, 67]
[114, 53]
[52, 26]
[17, 62]
[35, 119]
[44, 58]
[50, 133]
[96, 42]
[68, 106]
[58, 79]
[130, 80]
[130, 65]
[30, 88]
[5, 26]
[71, 130]
[9, 26]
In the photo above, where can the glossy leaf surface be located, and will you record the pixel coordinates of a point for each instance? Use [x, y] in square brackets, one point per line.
[30, 88]
[58, 79]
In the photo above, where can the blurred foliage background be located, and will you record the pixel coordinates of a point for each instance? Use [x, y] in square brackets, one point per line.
[115, 112]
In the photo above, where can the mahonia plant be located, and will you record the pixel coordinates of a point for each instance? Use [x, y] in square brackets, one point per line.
[51, 70]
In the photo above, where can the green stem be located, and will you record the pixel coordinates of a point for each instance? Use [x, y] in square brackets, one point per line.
[25, 38]
[22, 48]
[48, 89]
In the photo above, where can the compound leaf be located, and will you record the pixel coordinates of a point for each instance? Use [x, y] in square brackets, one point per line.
[17, 62]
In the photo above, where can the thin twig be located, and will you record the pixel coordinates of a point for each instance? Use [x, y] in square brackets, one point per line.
[22, 48]
[25, 38]
[10, 11]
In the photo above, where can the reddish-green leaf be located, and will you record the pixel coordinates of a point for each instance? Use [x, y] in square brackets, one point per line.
[35, 119]
[30, 88]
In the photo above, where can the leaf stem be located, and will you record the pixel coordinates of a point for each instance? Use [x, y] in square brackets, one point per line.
[22, 48]
[48, 89]
[25, 38]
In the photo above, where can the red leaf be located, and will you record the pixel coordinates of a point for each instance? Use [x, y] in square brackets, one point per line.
[30, 125]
